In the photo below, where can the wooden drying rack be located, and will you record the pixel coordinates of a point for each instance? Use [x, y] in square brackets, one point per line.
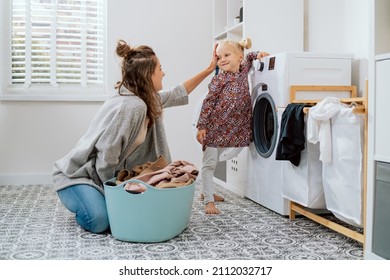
[360, 107]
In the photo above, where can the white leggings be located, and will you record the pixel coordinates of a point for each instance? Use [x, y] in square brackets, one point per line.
[211, 156]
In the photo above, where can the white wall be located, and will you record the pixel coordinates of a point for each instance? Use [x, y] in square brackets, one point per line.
[340, 26]
[35, 134]
[180, 32]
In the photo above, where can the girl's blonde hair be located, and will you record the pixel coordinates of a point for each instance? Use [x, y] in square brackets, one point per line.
[138, 66]
[245, 43]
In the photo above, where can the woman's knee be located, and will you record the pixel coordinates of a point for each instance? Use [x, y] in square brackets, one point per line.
[93, 221]
[89, 207]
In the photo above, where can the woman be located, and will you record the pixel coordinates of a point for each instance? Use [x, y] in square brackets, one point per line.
[127, 130]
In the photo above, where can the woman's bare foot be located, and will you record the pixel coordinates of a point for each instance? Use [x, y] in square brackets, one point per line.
[211, 209]
[217, 197]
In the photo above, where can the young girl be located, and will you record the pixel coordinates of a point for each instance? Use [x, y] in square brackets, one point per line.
[225, 120]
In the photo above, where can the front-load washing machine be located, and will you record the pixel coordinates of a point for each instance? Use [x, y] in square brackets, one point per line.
[271, 79]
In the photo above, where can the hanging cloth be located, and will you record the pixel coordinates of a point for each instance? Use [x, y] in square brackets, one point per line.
[292, 135]
[318, 125]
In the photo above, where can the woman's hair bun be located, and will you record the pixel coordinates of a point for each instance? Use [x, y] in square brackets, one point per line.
[122, 48]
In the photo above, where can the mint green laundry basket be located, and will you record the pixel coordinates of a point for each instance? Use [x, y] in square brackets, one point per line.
[155, 215]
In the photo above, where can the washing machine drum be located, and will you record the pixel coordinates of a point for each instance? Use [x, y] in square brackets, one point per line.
[265, 125]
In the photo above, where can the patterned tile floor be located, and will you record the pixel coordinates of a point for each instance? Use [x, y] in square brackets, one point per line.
[34, 225]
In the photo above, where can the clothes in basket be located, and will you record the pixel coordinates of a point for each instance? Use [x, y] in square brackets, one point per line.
[154, 214]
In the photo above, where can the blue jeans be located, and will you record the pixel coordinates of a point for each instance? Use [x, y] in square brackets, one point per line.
[89, 206]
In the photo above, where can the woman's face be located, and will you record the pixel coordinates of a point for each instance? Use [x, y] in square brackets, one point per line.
[158, 76]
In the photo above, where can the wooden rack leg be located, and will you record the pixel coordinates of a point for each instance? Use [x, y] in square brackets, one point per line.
[295, 207]
[291, 212]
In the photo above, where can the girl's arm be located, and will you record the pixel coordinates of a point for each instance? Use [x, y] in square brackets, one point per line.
[252, 56]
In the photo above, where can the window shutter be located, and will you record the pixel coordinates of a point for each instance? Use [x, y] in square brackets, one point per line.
[57, 42]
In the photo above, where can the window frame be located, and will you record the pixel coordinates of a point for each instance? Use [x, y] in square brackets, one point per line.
[44, 92]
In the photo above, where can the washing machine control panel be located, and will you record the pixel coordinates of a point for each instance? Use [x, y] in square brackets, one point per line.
[270, 62]
[260, 66]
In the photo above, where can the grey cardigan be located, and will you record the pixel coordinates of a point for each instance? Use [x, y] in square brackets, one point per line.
[107, 145]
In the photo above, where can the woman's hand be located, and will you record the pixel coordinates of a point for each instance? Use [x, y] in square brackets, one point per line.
[201, 135]
[214, 59]
[193, 82]
[261, 55]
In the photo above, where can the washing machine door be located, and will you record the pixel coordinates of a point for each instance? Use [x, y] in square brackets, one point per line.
[265, 125]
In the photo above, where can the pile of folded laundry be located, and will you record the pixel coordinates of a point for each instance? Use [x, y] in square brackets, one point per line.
[159, 174]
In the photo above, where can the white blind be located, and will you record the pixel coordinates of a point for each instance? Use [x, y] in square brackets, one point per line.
[57, 42]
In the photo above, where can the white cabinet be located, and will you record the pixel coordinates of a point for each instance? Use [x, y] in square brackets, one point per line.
[378, 152]
[225, 14]
[236, 171]
[382, 112]
[273, 26]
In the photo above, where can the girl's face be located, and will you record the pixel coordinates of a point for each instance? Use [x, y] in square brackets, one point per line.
[229, 58]
[158, 76]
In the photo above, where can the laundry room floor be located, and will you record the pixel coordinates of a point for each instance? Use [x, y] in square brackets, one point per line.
[34, 225]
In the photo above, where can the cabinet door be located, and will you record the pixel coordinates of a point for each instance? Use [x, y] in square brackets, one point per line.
[381, 222]
[274, 26]
[382, 112]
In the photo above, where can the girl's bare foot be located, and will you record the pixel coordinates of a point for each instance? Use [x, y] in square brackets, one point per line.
[217, 197]
[211, 209]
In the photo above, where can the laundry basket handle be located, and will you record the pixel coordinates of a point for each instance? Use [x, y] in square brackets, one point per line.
[141, 189]
[135, 181]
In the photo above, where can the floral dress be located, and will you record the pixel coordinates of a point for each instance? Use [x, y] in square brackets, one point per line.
[226, 113]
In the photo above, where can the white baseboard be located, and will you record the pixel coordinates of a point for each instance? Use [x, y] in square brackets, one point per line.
[371, 256]
[25, 179]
